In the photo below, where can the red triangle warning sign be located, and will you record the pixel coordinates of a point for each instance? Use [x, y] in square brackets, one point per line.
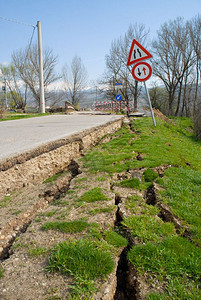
[137, 53]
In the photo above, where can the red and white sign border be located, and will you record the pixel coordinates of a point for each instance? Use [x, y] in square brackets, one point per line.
[129, 62]
[145, 78]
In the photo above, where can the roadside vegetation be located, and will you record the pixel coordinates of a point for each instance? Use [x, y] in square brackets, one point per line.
[82, 233]
[166, 258]
[16, 116]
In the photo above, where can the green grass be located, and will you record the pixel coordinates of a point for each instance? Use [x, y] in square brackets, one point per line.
[175, 261]
[167, 144]
[137, 205]
[115, 239]
[54, 177]
[49, 213]
[6, 201]
[16, 116]
[101, 178]
[164, 144]
[135, 182]
[85, 261]
[1, 271]
[183, 193]
[37, 251]
[148, 228]
[150, 175]
[169, 263]
[32, 249]
[93, 195]
[78, 180]
[81, 258]
[60, 202]
[17, 212]
[67, 227]
[130, 183]
[101, 210]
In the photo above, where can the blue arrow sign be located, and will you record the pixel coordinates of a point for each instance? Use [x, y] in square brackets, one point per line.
[118, 97]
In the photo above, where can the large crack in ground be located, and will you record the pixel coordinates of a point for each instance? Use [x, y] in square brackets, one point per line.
[127, 285]
[166, 215]
[126, 275]
[124, 282]
[126, 278]
[19, 225]
[12, 256]
[11, 235]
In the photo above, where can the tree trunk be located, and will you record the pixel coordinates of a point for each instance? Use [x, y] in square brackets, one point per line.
[179, 99]
[196, 88]
[135, 95]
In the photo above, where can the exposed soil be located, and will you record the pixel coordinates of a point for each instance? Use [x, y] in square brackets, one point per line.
[35, 166]
[27, 202]
[24, 275]
[31, 204]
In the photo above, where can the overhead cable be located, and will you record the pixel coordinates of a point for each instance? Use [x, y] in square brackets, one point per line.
[18, 22]
[30, 43]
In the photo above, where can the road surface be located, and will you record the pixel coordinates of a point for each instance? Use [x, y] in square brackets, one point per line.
[18, 136]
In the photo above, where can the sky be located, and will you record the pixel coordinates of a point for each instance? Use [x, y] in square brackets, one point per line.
[85, 28]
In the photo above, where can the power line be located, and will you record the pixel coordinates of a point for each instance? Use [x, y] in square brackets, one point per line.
[18, 22]
[22, 23]
[30, 44]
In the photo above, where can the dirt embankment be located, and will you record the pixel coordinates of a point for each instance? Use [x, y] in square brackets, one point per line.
[35, 166]
[24, 196]
[30, 203]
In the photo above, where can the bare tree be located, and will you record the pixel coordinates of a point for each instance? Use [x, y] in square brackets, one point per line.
[116, 64]
[173, 59]
[195, 34]
[26, 64]
[14, 87]
[159, 97]
[75, 80]
[186, 64]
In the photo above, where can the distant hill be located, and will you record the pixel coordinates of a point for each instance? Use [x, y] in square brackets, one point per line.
[90, 97]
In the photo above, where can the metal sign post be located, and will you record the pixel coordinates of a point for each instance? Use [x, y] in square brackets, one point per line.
[142, 70]
[151, 109]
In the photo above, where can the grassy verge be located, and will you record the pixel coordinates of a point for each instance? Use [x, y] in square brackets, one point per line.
[84, 261]
[169, 263]
[87, 260]
[182, 192]
[174, 265]
[67, 227]
[16, 116]
[93, 195]
[165, 144]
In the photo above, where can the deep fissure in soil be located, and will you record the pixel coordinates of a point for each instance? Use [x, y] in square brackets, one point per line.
[126, 277]
[74, 168]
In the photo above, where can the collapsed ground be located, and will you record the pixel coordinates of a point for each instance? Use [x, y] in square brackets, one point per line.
[122, 222]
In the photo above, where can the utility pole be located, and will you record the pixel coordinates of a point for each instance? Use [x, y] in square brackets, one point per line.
[6, 94]
[4, 89]
[42, 96]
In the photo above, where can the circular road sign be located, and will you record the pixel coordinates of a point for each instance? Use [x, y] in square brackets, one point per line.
[118, 97]
[141, 71]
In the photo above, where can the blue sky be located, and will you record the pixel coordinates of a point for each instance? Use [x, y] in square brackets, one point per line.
[84, 27]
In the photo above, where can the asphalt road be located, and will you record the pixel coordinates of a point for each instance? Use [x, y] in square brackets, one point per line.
[18, 136]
